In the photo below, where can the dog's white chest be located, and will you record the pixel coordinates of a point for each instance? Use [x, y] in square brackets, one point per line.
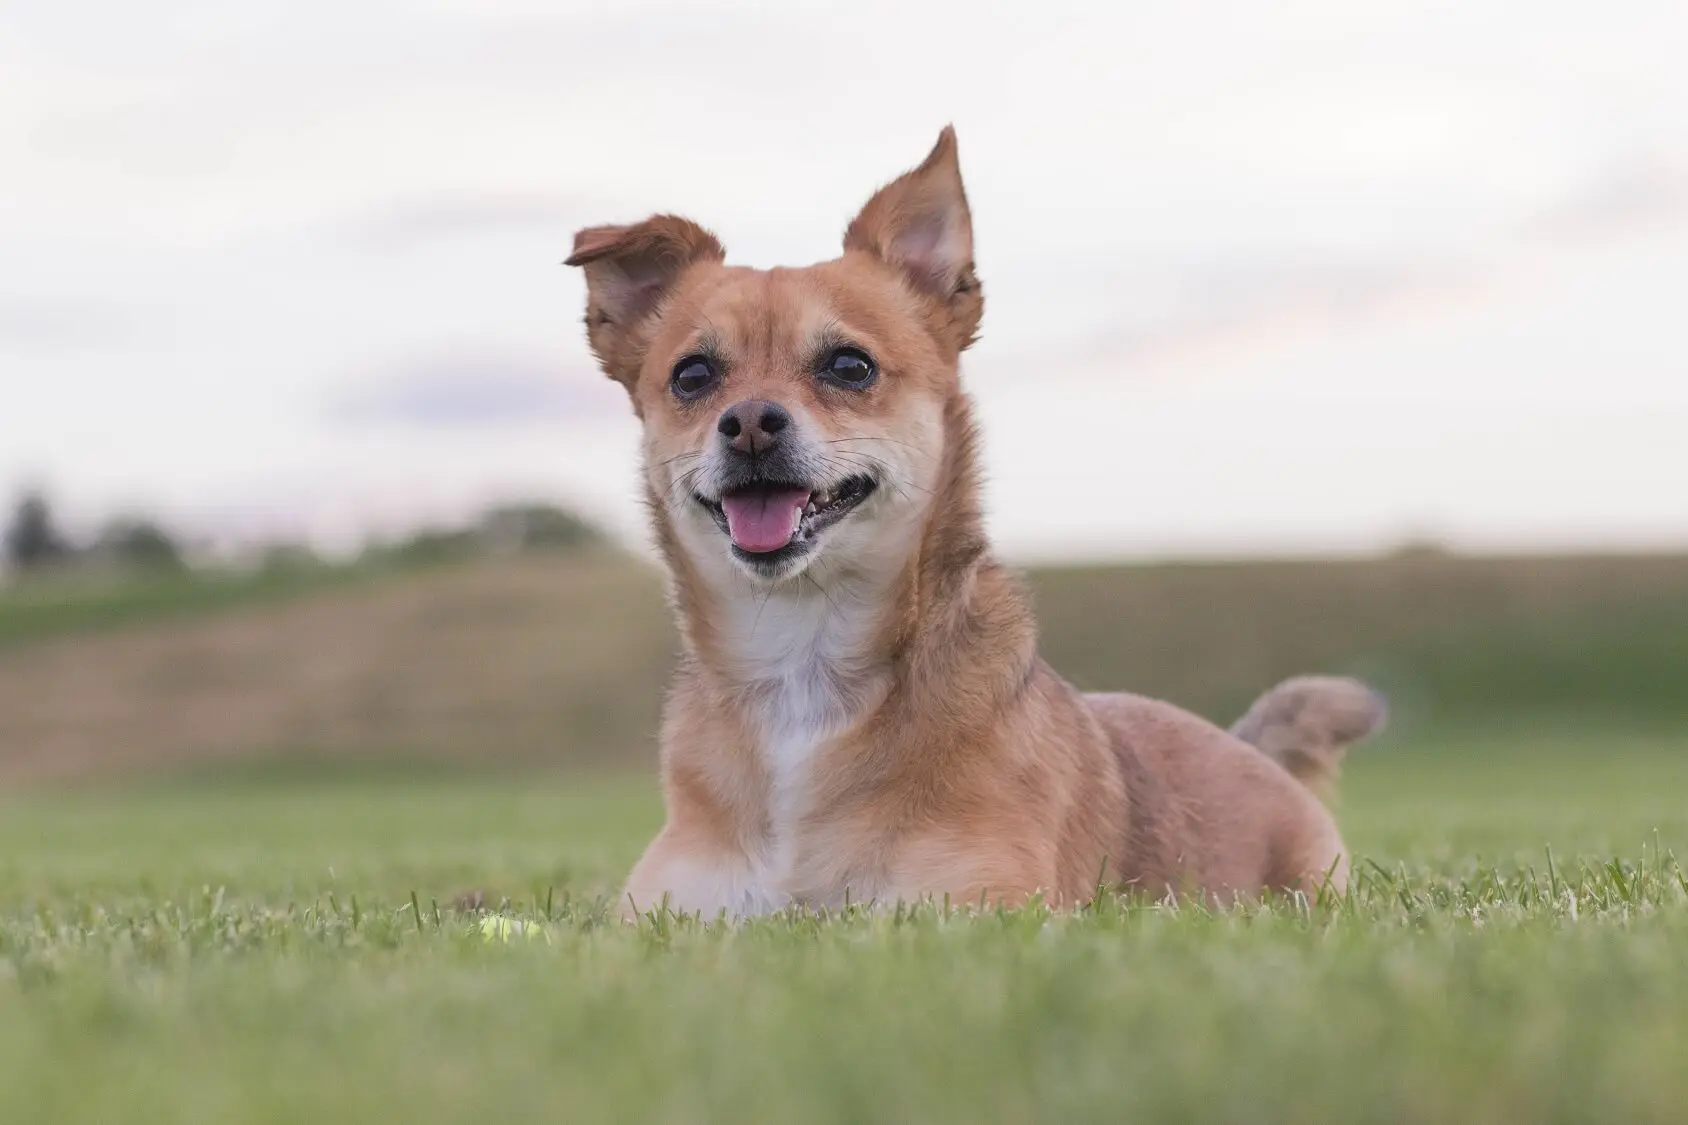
[801, 715]
[800, 659]
[793, 724]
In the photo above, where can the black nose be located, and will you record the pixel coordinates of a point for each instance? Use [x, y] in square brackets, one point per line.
[753, 427]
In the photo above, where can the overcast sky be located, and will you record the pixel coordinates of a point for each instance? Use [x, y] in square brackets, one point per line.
[1296, 277]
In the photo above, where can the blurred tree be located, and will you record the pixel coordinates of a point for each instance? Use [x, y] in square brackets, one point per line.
[289, 559]
[140, 544]
[506, 529]
[431, 546]
[533, 527]
[32, 541]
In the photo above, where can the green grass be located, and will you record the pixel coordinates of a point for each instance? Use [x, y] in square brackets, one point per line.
[43, 608]
[247, 951]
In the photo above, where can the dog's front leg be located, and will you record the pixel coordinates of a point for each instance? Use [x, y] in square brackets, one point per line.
[683, 874]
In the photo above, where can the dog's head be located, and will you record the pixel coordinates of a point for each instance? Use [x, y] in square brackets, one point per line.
[791, 414]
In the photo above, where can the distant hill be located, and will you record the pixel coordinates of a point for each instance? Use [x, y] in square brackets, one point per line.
[1448, 637]
[560, 659]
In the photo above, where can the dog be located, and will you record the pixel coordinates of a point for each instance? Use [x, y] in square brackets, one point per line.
[859, 712]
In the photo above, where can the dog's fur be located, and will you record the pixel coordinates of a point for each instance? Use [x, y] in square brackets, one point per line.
[868, 718]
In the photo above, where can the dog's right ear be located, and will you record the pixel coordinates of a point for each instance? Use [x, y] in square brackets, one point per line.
[629, 272]
[921, 226]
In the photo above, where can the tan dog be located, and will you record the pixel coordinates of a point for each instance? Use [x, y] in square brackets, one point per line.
[860, 712]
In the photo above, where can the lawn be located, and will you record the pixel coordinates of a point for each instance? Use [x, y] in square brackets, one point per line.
[245, 949]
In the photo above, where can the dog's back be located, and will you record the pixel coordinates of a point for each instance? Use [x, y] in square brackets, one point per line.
[1250, 795]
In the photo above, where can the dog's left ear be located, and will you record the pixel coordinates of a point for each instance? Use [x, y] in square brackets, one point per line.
[919, 223]
[630, 271]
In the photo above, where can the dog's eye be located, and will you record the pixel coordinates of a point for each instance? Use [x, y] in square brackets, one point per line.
[850, 367]
[693, 376]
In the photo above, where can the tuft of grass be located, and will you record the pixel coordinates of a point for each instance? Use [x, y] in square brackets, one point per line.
[307, 950]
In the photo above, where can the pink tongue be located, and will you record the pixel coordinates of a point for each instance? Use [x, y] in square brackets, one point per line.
[762, 520]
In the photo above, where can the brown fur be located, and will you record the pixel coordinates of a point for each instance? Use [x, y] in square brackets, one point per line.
[1307, 723]
[877, 724]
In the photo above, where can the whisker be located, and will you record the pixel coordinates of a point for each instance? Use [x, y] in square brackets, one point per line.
[683, 483]
[832, 604]
[887, 477]
[760, 607]
[677, 457]
[893, 441]
[876, 463]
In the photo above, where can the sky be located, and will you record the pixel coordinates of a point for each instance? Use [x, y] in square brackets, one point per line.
[1297, 278]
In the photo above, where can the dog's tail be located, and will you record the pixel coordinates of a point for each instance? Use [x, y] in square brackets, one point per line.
[1306, 724]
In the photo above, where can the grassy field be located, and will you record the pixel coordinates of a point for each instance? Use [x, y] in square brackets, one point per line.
[246, 950]
[236, 817]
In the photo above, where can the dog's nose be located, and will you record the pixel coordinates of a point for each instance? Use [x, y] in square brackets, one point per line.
[754, 426]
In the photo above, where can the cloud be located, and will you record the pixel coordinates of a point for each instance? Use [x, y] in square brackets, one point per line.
[1645, 194]
[57, 325]
[1182, 315]
[479, 393]
[1186, 312]
[402, 224]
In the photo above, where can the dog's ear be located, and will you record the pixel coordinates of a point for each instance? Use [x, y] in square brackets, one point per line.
[919, 223]
[629, 271]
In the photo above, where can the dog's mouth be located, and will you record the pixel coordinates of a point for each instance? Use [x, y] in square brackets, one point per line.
[769, 521]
